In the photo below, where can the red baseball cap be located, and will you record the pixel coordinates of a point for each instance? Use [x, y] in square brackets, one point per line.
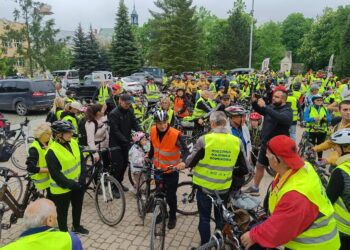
[116, 87]
[279, 88]
[284, 147]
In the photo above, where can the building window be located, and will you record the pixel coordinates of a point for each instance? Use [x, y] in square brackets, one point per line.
[6, 44]
[19, 62]
[18, 43]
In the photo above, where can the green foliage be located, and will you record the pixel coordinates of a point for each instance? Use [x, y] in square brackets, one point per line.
[269, 36]
[80, 55]
[342, 66]
[294, 27]
[176, 42]
[6, 66]
[124, 55]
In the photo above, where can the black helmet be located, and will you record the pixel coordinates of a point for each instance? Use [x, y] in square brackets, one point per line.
[160, 116]
[297, 86]
[62, 127]
[180, 89]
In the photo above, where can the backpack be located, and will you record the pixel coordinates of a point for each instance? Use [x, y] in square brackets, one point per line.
[82, 131]
[51, 117]
[5, 152]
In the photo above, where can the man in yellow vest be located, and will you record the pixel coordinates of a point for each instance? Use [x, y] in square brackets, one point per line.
[40, 218]
[302, 217]
[338, 189]
[67, 175]
[213, 160]
[295, 106]
[152, 91]
[102, 93]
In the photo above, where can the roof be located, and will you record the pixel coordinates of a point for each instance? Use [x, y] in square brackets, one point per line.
[64, 34]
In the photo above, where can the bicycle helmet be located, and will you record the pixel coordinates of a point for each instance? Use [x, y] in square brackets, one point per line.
[297, 86]
[180, 89]
[315, 97]
[235, 111]
[138, 136]
[255, 116]
[160, 116]
[59, 127]
[341, 137]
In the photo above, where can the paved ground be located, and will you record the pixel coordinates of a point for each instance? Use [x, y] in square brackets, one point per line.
[127, 234]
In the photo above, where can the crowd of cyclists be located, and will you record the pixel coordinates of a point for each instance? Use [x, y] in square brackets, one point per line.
[221, 130]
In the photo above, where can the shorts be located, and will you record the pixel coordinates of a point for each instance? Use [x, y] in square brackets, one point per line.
[262, 159]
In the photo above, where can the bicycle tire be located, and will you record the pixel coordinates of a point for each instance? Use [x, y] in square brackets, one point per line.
[1, 216]
[212, 244]
[142, 196]
[130, 175]
[89, 162]
[270, 171]
[186, 191]
[101, 211]
[159, 210]
[18, 153]
[15, 187]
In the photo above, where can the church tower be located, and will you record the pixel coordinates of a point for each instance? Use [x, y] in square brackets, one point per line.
[134, 17]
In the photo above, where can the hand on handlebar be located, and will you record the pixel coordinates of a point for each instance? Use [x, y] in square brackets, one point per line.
[181, 166]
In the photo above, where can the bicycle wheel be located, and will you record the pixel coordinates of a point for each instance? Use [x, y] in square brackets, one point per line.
[14, 185]
[110, 210]
[186, 201]
[130, 175]
[142, 196]
[89, 162]
[19, 153]
[1, 216]
[158, 229]
[270, 171]
[213, 244]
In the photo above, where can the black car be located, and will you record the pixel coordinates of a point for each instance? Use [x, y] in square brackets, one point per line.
[23, 95]
[86, 90]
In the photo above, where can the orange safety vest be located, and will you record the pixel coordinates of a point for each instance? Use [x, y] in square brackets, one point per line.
[166, 153]
[178, 104]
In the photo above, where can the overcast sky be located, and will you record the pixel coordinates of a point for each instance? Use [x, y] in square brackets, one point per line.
[101, 13]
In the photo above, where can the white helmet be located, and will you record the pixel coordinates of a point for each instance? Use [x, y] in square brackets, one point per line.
[341, 137]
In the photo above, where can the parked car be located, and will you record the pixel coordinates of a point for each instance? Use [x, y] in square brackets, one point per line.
[143, 75]
[85, 90]
[241, 71]
[23, 95]
[68, 77]
[132, 84]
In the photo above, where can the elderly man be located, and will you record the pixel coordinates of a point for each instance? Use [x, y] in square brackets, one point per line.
[302, 217]
[213, 159]
[40, 220]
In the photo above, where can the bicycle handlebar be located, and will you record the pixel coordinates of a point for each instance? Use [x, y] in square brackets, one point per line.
[92, 151]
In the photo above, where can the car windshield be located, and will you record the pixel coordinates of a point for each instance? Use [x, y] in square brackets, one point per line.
[43, 86]
[59, 73]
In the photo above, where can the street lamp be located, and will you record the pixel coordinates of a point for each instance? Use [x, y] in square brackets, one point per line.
[251, 36]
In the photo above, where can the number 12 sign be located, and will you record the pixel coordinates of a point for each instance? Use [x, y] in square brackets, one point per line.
[102, 76]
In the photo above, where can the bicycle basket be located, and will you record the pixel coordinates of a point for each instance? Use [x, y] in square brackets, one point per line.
[187, 124]
[5, 152]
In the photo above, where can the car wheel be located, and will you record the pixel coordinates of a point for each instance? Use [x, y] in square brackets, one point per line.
[21, 108]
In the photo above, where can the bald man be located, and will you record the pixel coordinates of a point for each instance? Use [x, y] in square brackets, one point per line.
[40, 220]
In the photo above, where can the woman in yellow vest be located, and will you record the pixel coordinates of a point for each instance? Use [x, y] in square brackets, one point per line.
[302, 217]
[67, 175]
[70, 113]
[58, 107]
[36, 163]
[338, 189]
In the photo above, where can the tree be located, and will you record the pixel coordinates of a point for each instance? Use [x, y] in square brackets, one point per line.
[36, 36]
[269, 37]
[92, 52]
[80, 55]
[6, 66]
[124, 54]
[294, 27]
[342, 65]
[176, 40]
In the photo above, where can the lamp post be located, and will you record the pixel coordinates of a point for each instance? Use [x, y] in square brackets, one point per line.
[251, 36]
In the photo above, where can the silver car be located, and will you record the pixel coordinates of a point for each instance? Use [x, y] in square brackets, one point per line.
[131, 84]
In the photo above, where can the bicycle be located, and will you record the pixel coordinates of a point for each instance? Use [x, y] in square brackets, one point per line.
[305, 143]
[9, 199]
[109, 195]
[319, 166]
[18, 147]
[147, 124]
[187, 203]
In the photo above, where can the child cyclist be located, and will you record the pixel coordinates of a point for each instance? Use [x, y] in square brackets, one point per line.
[137, 155]
[255, 135]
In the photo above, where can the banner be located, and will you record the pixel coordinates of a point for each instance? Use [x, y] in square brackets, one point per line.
[330, 64]
[265, 64]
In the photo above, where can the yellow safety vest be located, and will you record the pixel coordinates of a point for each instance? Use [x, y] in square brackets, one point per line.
[103, 94]
[69, 100]
[73, 120]
[342, 213]
[153, 97]
[49, 239]
[58, 114]
[317, 124]
[294, 106]
[139, 113]
[70, 162]
[322, 233]
[297, 94]
[198, 113]
[40, 180]
[214, 171]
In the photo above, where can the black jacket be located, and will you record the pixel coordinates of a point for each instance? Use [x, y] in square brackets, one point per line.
[111, 103]
[277, 120]
[122, 122]
[225, 83]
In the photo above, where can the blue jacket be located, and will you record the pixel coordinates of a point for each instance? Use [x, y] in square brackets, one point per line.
[309, 119]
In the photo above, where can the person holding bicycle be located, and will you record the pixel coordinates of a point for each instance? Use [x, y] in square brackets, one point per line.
[36, 162]
[166, 148]
[213, 159]
[67, 175]
[338, 189]
[302, 216]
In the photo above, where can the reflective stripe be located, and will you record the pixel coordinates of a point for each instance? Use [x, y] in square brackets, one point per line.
[342, 220]
[211, 179]
[341, 204]
[165, 162]
[217, 168]
[317, 240]
[71, 169]
[40, 181]
[57, 186]
[321, 223]
[166, 153]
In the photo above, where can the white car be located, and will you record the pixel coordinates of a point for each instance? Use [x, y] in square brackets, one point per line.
[68, 77]
[131, 84]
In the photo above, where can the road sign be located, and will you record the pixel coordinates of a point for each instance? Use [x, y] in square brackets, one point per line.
[102, 76]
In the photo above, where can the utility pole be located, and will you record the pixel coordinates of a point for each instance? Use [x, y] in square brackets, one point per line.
[251, 36]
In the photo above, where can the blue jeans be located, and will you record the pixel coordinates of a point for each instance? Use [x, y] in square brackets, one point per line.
[204, 208]
[293, 132]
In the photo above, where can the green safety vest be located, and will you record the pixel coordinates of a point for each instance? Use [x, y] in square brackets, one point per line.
[342, 213]
[73, 120]
[320, 126]
[153, 97]
[212, 87]
[40, 180]
[58, 114]
[304, 88]
[214, 171]
[294, 106]
[69, 100]
[103, 94]
[297, 95]
[322, 233]
[49, 239]
[70, 163]
[198, 113]
[139, 113]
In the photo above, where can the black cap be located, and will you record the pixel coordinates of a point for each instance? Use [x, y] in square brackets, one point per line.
[126, 98]
[226, 96]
